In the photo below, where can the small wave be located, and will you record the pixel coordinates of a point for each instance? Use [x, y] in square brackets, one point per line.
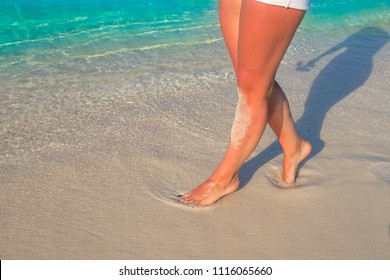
[42, 24]
[78, 19]
[108, 53]
[32, 41]
[206, 42]
[323, 20]
[151, 47]
[70, 50]
[176, 29]
[124, 25]
[87, 31]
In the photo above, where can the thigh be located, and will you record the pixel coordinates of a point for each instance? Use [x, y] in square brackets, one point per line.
[229, 17]
[265, 32]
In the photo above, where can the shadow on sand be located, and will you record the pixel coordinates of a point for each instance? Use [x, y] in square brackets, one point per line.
[339, 78]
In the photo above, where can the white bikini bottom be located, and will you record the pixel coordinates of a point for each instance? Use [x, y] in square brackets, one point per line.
[294, 4]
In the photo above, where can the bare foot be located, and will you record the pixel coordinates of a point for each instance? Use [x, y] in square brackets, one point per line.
[290, 163]
[209, 192]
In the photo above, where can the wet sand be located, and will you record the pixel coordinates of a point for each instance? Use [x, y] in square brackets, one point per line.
[91, 163]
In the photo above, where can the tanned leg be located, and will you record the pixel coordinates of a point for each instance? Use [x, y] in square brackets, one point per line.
[264, 33]
[279, 115]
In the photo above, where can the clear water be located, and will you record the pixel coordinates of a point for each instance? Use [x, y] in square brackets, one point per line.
[44, 31]
[58, 30]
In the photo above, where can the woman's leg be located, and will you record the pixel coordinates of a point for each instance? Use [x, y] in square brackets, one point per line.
[279, 115]
[295, 149]
[264, 33]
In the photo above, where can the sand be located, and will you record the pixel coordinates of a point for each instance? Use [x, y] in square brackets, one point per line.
[241, 121]
[93, 155]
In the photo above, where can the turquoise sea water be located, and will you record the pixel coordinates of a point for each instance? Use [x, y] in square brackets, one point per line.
[48, 31]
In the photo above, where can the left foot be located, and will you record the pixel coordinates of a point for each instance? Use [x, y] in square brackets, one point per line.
[209, 192]
[291, 162]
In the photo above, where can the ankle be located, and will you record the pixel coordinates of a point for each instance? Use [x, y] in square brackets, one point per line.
[294, 147]
[223, 180]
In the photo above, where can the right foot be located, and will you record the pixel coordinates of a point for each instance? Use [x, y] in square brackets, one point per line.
[209, 192]
[291, 162]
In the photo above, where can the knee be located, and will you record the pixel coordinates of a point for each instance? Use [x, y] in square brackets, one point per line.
[246, 80]
[254, 83]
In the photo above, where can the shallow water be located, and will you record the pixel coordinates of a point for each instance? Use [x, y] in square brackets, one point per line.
[94, 150]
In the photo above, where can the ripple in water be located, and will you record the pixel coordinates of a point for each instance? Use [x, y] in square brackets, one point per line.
[164, 180]
[382, 170]
[304, 179]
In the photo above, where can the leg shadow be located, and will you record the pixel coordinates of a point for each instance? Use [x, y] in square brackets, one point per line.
[340, 77]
